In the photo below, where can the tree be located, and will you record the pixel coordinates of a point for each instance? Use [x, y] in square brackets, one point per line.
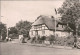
[23, 27]
[3, 30]
[70, 12]
[13, 32]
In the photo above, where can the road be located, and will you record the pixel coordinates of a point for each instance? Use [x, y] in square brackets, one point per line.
[25, 49]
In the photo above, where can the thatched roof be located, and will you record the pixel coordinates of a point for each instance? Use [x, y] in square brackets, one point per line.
[48, 21]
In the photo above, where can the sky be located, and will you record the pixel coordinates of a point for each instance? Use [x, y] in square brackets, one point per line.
[14, 11]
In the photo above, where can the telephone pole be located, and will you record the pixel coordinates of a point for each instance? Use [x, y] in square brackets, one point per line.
[55, 20]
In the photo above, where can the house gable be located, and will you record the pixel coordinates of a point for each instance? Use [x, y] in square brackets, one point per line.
[39, 29]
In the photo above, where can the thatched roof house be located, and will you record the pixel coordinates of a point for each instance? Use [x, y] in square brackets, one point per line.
[45, 25]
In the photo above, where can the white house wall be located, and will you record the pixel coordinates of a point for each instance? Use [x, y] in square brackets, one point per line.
[48, 32]
[43, 27]
[40, 33]
[32, 35]
[62, 34]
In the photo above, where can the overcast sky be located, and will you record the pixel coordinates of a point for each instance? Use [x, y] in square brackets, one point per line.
[14, 11]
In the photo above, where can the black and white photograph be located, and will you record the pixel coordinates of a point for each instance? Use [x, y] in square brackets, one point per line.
[39, 27]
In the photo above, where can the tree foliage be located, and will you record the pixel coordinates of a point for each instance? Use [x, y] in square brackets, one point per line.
[70, 12]
[13, 30]
[2, 31]
[23, 27]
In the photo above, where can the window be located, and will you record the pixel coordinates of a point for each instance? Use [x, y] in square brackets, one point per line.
[43, 31]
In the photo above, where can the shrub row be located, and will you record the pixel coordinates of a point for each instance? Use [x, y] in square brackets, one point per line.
[68, 41]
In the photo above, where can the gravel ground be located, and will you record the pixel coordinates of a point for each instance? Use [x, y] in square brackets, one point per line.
[25, 49]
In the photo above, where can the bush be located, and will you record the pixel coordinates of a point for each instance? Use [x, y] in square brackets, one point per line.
[51, 39]
[13, 36]
[33, 39]
[42, 39]
[68, 41]
[60, 40]
[38, 39]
